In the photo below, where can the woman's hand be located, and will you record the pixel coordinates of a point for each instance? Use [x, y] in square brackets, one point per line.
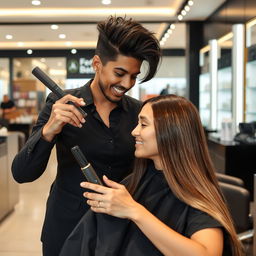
[61, 114]
[114, 200]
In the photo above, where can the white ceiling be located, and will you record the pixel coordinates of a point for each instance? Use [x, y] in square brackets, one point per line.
[151, 13]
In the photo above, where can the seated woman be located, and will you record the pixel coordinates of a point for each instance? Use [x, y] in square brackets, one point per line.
[170, 205]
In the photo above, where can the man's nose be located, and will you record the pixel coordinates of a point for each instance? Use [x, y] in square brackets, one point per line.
[127, 82]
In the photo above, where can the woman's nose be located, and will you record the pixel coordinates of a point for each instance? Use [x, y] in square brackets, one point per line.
[135, 131]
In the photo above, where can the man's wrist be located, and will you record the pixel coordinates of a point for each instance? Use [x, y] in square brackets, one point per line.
[46, 135]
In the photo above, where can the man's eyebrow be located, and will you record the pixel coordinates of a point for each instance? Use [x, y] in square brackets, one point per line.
[124, 70]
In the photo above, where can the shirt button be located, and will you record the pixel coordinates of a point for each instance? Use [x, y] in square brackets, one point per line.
[111, 141]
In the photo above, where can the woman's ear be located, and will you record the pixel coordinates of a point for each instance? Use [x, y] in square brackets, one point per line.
[96, 63]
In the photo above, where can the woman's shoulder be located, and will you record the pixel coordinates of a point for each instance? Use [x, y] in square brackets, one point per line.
[198, 220]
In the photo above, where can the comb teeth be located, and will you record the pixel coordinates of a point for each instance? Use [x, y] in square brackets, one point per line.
[79, 156]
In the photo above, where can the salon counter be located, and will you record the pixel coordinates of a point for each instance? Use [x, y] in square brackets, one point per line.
[9, 190]
[234, 159]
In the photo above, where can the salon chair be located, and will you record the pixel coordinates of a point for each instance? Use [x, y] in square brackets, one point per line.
[229, 179]
[238, 201]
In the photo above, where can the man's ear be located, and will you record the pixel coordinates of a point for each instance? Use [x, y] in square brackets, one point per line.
[96, 63]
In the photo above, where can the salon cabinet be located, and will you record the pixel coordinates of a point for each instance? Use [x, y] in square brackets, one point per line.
[9, 189]
[234, 159]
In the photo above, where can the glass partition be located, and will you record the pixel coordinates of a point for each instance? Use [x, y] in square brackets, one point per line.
[250, 85]
[224, 84]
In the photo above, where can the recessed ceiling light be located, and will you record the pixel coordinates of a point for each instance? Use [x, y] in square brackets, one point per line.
[36, 2]
[172, 26]
[106, 2]
[29, 51]
[190, 2]
[183, 12]
[62, 36]
[8, 37]
[73, 51]
[187, 8]
[54, 26]
[166, 35]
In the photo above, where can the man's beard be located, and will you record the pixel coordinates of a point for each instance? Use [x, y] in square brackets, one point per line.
[102, 88]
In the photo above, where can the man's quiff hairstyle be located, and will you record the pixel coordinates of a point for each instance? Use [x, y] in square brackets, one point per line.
[127, 37]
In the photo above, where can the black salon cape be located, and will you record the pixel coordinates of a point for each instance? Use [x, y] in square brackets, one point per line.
[103, 235]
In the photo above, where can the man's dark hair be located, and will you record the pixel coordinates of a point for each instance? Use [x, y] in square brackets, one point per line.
[127, 37]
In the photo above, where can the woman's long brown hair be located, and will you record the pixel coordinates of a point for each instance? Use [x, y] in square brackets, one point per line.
[186, 163]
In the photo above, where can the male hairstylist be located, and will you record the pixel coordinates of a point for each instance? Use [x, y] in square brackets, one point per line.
[104, 137]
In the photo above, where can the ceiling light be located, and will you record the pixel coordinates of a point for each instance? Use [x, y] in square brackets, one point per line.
[106, 2]
[187, 8]
[29, 51]
[190, 2]
[36, 2]
[226, 37]
[205, 49]
[20, 44]
[180, 15]
[54, 26]
[73, 51]
[47, 44]
[8, 37]
[62, 36]
[89, 12]
[251, 23]
[172, 26]
[183, 12]
[68, 43]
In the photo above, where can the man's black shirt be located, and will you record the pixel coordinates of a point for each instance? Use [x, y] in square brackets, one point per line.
[109, 150]
[8, 104]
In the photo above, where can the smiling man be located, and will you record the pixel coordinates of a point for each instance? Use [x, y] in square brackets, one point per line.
[104, 135]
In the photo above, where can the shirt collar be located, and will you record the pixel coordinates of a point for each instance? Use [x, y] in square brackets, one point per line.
[86, 93]
[87, 96]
